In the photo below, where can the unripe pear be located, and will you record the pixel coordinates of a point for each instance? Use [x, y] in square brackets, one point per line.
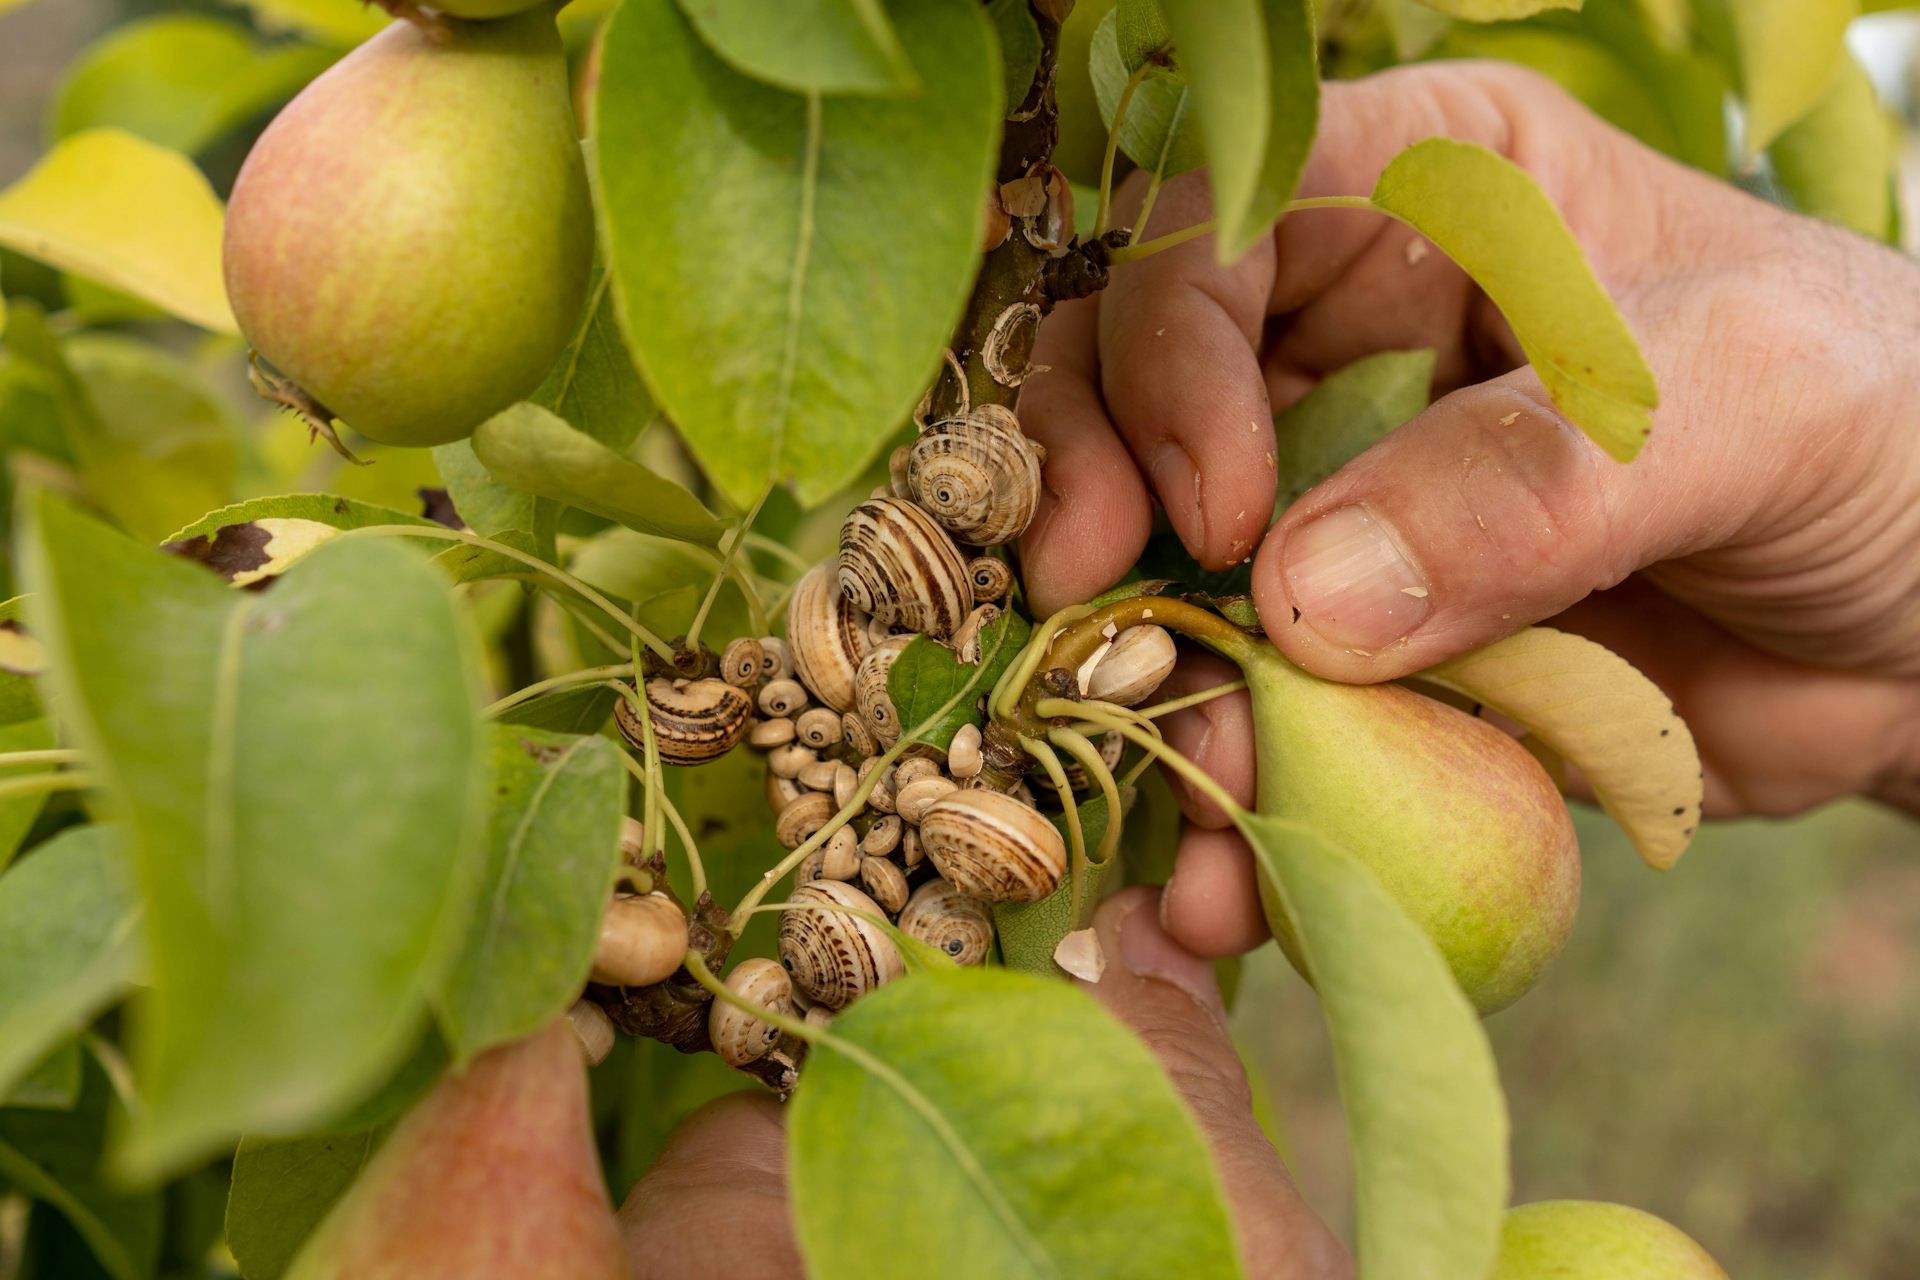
[494, 1173]
[1457, 819]
[1588, 1240]
[410, 241]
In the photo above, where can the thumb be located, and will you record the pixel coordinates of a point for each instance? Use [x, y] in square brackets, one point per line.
[1168, 997]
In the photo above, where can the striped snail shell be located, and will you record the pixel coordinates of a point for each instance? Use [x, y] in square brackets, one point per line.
[1139, 659]
[990, 579]
[694, 721]
[992, 847]
[834, 957]
[826, 636]
[942, 917]
[801, 818]
[977, 476]
[739, 1037]
[899, 566]
[870, 694]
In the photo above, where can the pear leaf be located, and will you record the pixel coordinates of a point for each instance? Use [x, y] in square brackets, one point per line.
[1594, 708]
[530, 448]
[1428, 1127]
[927, 674]
[126, 213]
[1019, 38]
[1491, 218]
[973, 1110]
[252, 541]
[1789, 52]
[1352, 409]
[282, 1189]
[594, 385]
[822, 46]
[1141, 34]
[17, 813]
[1497, 10]
[1837, 161]
[1160, 132]
[1030, 931]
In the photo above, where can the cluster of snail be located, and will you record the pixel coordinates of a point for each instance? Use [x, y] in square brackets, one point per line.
[936, 842]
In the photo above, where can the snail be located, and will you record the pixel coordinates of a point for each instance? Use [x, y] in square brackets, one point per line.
[782, 792]
[633, 842]
[643, 938]
[845, 782]
[819, 775]
[884, 882]
[788, 761]
[806, 815]
[834, 957]
[1139, 659]
[897, 565]
[743, 662]
[883, 837]
[594, 1029]
[990, 579]
[782, 698]
[768, 734]
[913, 769]
[913, 800]
[826, 636]
[964, 759]
[870, 693]
[941, 916]
[739, 1037]
[840, 858]
[775, 664]
[858, 735]
[818, 727]
[992, 847]
[694, 721]
[977, 477]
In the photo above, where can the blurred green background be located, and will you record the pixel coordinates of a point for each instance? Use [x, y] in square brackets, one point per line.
[1734, 1045]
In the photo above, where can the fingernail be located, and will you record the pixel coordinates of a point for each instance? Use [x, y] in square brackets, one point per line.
[1177, 481]
[1148, 952]
[1351, 583]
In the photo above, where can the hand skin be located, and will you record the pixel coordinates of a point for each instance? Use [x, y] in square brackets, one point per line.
[715, 1203]
[1760, 560]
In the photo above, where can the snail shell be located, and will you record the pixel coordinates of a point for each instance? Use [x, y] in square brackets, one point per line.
[739, 1037]
[897, 474]
[912, 851]
[915, 799]
[912, 770]
[1113, 745]
[964, 759]
[789, 760]
[941, 916]
[594, 1028]
[768, 734]
[818, 727]
[819, 775]
[845, 783]
[885, 883]
[633, 842]
[826, 636]
[643, 939]
[1139, 660]
[782, 792]
[840, 858]
[977, 476]
[775, 664]
[858, 734]
[834, 957]
[899, 566]
[870, 692]
[992, 847]
[990, 579]
[742, 662]
[880, 799]
[883, 837]
[802, 818]
[782, 698]
[966, 640]
[693, 721]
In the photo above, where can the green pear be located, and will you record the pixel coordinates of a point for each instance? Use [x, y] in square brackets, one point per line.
[410, 240]
[1457, 819]
[1588, 1240]
[494, 1173]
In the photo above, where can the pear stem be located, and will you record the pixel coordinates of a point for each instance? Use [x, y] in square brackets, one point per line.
[1147, 742]
[1076, 745]
[1040, 751]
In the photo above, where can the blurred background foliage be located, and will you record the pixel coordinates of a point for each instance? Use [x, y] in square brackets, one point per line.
[1734, 1046]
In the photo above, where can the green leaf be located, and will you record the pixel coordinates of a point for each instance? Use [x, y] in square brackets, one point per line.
[827, 46]
[554, 841]
[301, 772]
[1160, 133]
[56, 1156]
[1351, 409]
[927, 674]
[492, 509]
[1428, 1127]
[119, 210]
[281, 1191]
[1414, 27]
[664, 580]
[1837, 161]
[51, 1085]
[22, 659]
[838, 238]
[18, 813]
[566, 711]
[1006, 1126]
[1141, 34]
[1789, 52]
[1255, 79]
[1019, 39]
[1497, 10]
[1489, 216]
[529, 448]
[1030, 931]
[594, 385]
[180, 81]
[328, 21]
[69, 944]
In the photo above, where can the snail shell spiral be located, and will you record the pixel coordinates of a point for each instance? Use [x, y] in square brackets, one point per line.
[977, 476]
[941, 916]
[834, 957]
[899, 566]
[826, 636]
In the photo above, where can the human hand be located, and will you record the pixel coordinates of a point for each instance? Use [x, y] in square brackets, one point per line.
[715, 1204]
[1760, 561]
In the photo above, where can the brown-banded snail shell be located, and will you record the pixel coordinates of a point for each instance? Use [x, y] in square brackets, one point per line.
[694, 721]
[742, 662]
[1140, 659]
[835, 957]
[885, 883]
[643, 939]
[897, 474]
[942, 917]
[880, 799]
[818, 727]
[739, 1037]
[966, 640]
[871, 696]
[899, 566]
[826, 636]
[802, 818]
[992, 847]
[990, 579]
[978, 477]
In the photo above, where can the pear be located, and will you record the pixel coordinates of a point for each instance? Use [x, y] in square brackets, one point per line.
[410, 240]
[494, 1173]
[1587, 1240]
[1458, 820]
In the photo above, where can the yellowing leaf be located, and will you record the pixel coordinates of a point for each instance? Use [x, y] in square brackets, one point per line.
[1489, 216]
[137, 217]
[1837, 161]
[1594, 708]
[1789, 51]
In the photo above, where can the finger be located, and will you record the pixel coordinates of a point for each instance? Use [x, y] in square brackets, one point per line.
[1168, 996]
[715, 1203]
[1211, 905]
[1179, 336]
[1094, 514]
[1216, 735]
